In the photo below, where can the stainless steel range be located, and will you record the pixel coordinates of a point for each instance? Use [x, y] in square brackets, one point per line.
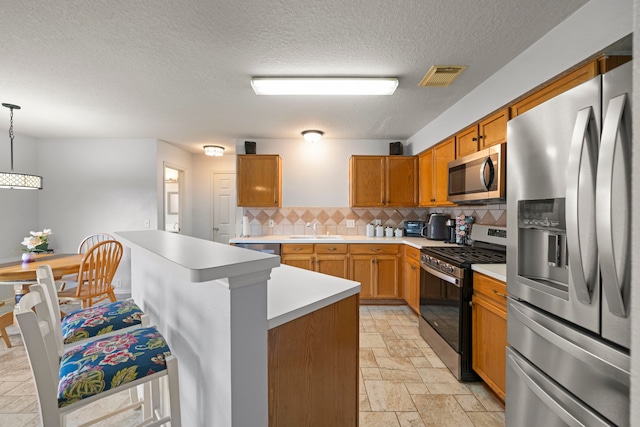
[446, 286]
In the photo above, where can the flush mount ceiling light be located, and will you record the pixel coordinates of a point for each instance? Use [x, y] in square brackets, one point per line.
[17, 181]
[324, 85]
[213, 150]
[312, 135]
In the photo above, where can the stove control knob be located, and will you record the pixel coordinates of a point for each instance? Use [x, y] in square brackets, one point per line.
[450, 269]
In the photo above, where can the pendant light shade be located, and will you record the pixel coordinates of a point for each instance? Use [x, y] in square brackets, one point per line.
[17, 181]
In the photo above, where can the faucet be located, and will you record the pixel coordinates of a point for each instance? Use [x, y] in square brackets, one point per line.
[312, 226]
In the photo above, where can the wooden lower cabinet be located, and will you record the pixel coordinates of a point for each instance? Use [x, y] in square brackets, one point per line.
[412, 277]
[377, 268]
[313, 368]
[489, 331]
[324, 258]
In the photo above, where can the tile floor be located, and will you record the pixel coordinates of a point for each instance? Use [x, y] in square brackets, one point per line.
[402, 382]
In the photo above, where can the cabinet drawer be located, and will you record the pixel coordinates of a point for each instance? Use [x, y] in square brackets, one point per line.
[490, 289]
[297, 248]
[374, 249]
[411, 253]
[331, 248]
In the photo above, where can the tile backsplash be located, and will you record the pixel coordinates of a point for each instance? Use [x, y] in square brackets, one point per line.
[293, 220]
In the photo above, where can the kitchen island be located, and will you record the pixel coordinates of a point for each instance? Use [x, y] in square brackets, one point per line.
[257, 343]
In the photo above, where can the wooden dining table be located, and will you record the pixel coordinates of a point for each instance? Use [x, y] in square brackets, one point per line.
[23, 274]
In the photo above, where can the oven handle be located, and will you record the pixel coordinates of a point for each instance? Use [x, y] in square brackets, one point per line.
[453, 280]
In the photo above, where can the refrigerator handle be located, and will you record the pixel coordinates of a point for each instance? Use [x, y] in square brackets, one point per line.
[613, 277]
[581, 233]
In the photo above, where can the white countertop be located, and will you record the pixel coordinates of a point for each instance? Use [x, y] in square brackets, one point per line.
[294, 292]
[198, 260]
[416, 242]
[497, 271]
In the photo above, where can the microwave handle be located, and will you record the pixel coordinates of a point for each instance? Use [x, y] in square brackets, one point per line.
[492, 173]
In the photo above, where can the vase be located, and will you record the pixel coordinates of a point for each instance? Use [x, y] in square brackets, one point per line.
[28, 257]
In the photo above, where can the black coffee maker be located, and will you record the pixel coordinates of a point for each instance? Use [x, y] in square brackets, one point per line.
[451, 231]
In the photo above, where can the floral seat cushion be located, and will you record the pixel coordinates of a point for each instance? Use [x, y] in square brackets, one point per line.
[100, 365]
[100, 319]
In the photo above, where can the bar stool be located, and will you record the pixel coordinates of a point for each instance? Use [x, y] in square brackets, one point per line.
[96, 369]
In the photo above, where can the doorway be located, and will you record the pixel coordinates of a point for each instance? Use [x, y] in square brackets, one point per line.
[173, 184]
[224, 207]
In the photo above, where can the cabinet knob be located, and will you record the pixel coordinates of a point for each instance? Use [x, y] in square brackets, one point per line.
[375, 250]
[331, 249]
[470, 303]
[474, 139]
[481, 136]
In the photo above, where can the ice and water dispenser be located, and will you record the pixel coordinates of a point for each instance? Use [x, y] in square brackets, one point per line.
[542, 242]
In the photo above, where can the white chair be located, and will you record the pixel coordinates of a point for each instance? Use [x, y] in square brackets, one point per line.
[97, 369]
[88, 323]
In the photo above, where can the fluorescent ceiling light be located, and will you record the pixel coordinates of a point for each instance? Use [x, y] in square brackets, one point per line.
[324, 85]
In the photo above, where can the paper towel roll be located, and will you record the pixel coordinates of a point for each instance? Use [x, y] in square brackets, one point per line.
[245, 226]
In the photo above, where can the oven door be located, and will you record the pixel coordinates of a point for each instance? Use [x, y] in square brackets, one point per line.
[441, 304]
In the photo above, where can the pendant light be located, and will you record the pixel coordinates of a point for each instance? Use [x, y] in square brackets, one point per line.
[17, 181]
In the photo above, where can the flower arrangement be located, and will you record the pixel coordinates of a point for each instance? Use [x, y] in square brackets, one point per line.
[38, 241]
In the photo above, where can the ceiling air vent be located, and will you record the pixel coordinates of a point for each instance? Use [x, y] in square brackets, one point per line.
[442, 75]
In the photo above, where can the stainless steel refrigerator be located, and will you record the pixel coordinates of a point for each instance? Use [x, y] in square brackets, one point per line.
[568, 264]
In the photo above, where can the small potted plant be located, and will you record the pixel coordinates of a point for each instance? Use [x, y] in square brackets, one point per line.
[37, 242]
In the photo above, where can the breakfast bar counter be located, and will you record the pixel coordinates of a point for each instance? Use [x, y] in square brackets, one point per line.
[239, 325]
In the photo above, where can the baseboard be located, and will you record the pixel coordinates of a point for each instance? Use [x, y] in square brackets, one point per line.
[122, 294]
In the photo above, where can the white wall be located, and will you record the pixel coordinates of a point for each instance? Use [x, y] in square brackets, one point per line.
[176, 158]
[97, 185]
[316, 175]
[590, 29]
[18, 208]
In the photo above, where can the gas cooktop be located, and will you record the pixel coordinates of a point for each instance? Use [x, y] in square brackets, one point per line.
[463, 256]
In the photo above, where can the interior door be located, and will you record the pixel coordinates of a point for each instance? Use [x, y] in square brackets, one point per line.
[173, 182]
[224, 196]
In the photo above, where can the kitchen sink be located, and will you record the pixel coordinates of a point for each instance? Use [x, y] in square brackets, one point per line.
[318, 237]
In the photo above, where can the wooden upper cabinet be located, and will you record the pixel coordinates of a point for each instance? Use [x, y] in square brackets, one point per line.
[434, 173]
[487, 132]
[443, 153]
[366, 181]
[383, 181]
[563, 84]
[493, 129]
[259, 180]
[426, 172]
[402, 181]
[467, 141]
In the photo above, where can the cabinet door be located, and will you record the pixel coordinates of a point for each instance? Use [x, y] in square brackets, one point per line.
[489, 341]
[301, 261]
[412, 284]
[426, 173]
[333, 265]
[402, 181]
[362, 271]
[493, 129]
[467, 141]
[386, 279]
[259, 179]
[443, 153]
[366, 179]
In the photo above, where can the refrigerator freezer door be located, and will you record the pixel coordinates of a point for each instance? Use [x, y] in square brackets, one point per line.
[613, 206]
[539, 149]
[596, 373]
[534, 400]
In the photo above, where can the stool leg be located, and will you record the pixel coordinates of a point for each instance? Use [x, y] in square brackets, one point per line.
[174, 391]
[6, 320]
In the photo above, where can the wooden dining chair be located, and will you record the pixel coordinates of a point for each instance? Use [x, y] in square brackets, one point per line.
[97, 369]
[3, 331]
[97, 268]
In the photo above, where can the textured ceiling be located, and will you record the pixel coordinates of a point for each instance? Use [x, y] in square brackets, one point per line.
[180, 71]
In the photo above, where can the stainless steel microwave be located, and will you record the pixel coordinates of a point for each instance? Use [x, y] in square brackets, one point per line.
[479, 177]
